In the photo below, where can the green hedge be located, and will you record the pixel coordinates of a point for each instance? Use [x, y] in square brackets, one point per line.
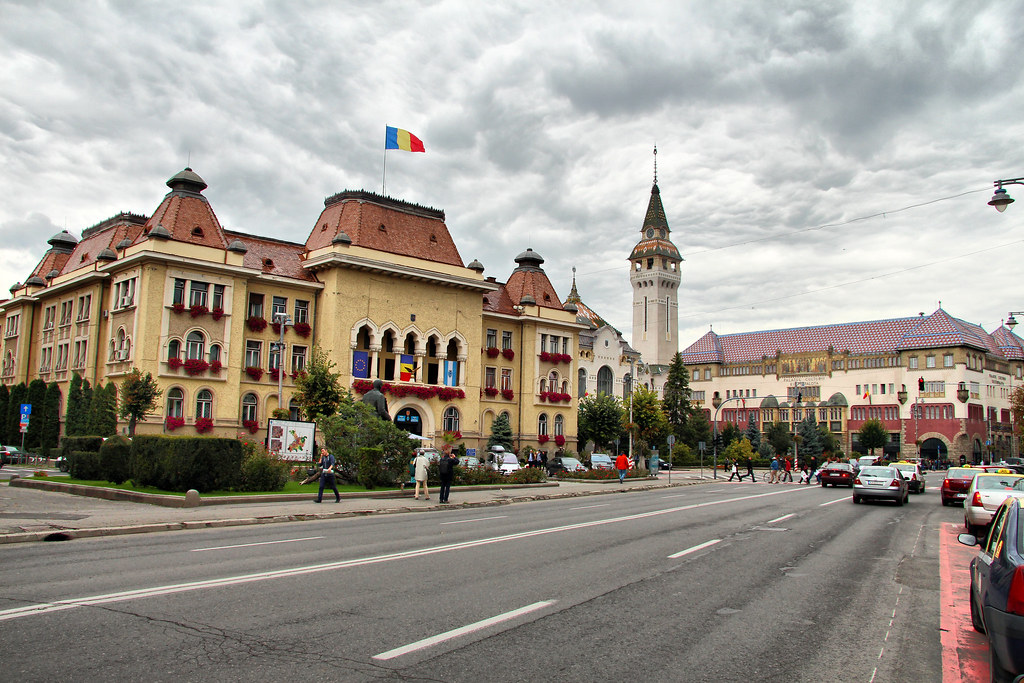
[370, 467]
[70, 444]
[114, 455]
[180, 463]
[264, 472]
[84, 465]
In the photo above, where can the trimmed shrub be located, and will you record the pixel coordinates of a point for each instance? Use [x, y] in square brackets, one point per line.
[70, 444]
[180, 463]
[527, 475]
[114, 454]
[84, 465]
[370, 466]
[262, 471]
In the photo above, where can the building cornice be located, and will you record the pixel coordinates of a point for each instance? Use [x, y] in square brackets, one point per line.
[359, 263]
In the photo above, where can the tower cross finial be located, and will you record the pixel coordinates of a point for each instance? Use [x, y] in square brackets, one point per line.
[655, 163]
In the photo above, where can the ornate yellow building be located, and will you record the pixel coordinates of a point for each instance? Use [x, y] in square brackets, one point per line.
[379, 285]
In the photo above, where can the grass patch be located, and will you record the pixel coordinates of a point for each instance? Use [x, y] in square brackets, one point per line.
[289, 487]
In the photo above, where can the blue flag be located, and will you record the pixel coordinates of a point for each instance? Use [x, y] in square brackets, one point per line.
[450, 372]
[360, 364]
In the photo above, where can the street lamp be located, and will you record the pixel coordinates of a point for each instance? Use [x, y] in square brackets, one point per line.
[1011, 322]
[717, 402]
[1001, 199]
[632, 389]
[282, 320]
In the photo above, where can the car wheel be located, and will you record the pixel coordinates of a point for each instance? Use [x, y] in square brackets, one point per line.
[998, 672]
[856, 500]
[976, 621]
[824, 485]
[900, 501]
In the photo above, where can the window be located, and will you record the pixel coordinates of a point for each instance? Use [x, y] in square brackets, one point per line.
[217, 302]
[929, 361]
[84, 303]
[506, 339]
[280, 307]
[249, 408]
[451, 419]
[124, 293]
[627, 385]
[49, 317]
[121, 347]
[707, 373]
[301, 311]
[195, 346]
[253, 353]
[197, 294]
[12, 325]
[492, 338]
[506, 379]
[554, 344]
[581, 383]
[274, 359]
[175, 402]
[45, 359]
[179, 292]
[173, 349]
[604, 380]
[559, 425]
[947, 360]
[298, 358]
[65, 313]
[543, 342]
[912, 362]
[204, 404]
[490, 378]
[214, 353]
[565, 345]
[255, 309]
[542, 424]
[63, 350]
[294, 411]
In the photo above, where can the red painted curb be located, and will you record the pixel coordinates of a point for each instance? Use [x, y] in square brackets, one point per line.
[964, 650]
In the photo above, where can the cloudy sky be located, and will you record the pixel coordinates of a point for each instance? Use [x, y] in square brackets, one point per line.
[818, 161]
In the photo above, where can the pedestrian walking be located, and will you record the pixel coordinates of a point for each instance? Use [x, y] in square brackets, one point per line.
[774, 479]
[422, 465]
[787, 470]
[750, 469]
[446, 470]
[622, 465]
[327, 476]
[734, 472]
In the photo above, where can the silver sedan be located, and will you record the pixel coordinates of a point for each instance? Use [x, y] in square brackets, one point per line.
[882, 482]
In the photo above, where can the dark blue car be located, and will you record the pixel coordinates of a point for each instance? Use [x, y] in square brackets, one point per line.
[997, 589]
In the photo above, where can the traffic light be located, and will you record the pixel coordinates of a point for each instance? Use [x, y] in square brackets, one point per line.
[920, 383]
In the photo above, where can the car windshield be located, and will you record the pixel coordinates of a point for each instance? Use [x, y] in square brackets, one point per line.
[839, 466]
[906, 467]
[994, 482]
[571, 462]
[876, 472]
[960, 473]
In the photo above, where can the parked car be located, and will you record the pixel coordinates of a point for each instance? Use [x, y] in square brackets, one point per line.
[868, 461]
[600, 461]
[432, 453]
[565, 463]
[470, 462]
[987, 492]
[509, 464]
[954, 487]
[883, 482]
[837, 474]
[10, 455]
[997, 589]
[914, 475]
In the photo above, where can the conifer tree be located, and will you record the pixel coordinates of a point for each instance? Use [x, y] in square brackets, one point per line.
[810, 437]
[85, 414]
[13, 435]
[51, 419]
[103, 413]
[35, 396]
[752, 433]
[5, 396]
[676, 397]
[501, 433]
[74, 414]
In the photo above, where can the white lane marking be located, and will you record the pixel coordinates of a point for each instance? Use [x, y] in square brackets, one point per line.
[455, 633]
[249, 545]
[675, 495]
[833, 502]
[475, 519]
[72, 603]
[695, 548]
[779, 519]
[714, 491]
[584, 507]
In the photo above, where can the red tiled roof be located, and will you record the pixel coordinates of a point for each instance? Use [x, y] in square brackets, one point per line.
[285, 258]
[1010, 345]
[499, 301]
[93, 243]
[189, 218]
[387, 225]
[536, 284]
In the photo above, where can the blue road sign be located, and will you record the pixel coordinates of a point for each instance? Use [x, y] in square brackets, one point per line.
[26, 408]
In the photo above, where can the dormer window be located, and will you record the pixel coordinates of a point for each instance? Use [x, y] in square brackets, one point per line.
[84, 256]
[268, 263]
[382, 228]
[433, 239]
[197, 231]
[547, 297]
[323, 228]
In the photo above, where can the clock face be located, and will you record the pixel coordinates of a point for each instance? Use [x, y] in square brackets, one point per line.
[662, 233]
[650, 232]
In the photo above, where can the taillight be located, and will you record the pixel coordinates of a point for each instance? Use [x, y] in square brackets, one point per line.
[976, 500]
[895, 482]
[857, 481]
[1015, 601]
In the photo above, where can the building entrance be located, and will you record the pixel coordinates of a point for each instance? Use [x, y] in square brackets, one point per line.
[409, 420]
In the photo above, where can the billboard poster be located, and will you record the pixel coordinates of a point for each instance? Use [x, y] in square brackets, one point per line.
[291, 439]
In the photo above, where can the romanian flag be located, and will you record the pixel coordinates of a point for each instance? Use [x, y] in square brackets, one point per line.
[866, 393]
[406, 368]
[396, 138]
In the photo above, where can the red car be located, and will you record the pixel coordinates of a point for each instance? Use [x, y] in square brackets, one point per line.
[837, 474]
[954, 487]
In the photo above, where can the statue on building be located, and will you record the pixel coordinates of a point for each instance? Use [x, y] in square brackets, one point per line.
[375, 398]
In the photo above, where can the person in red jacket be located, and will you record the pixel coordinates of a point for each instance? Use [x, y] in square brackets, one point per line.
[622, 465]
[788, 476]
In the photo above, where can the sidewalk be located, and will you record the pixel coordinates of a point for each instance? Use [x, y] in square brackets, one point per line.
[28, 514]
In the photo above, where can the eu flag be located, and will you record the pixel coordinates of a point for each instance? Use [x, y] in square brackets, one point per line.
[361, 364]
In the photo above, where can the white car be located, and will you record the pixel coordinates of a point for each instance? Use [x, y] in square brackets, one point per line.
[913, 474]
[987, 492]
[509, 464]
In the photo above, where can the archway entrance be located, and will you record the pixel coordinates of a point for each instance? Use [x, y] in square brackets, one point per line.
[409, 420]
[934, 449]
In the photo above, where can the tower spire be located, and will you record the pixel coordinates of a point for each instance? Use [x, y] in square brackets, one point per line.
[574, 295]
[655, 163]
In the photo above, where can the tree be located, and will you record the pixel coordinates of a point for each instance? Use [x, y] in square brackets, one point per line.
[5, 396]
[1017, 411]
[729, 433]
[810, 437]
[698, 429]
[676, 396]
[50, 436]
[779, 437]
[753, 433]
[73, 416]
[649, 426]
[139, 394]
[738, 451]
[830, 445]
[352, 428]
[873, 434]
[85, 421]
[103, 411]
[14, 413]
[600, 420]
[501, 433]
[319, 390]
[35, 396]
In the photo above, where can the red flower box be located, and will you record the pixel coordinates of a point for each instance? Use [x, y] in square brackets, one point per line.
[508, 354]
[302, 329]
[203, 425]
[361, 386]
[255, 373]
[564, 358]
[508, 394]
[274, 373]
[217, 313]
[174, 363]
[559, 440]
[215, 367]
[198, 310]
[276, 327]
[491, 391]
[178, 308]
[545, 357]
[195, 366]
[172, 423]
[252, 425]
[256, 324]
[542, 439]
[492, 351]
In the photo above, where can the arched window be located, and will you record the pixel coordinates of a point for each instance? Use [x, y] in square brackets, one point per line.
[565, 386]
[174, 349]
[581, 383]
[250, 406]
[542, 424]
[559, 425]
[451, 419]
[204, 403]
[293, 410]
[543, 385]
[605, 380]
[175, 402]
[214, 352]
[195, 345]
[553, 380]
[627, 385]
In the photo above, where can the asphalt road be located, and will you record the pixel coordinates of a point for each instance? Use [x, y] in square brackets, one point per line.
[719, 582]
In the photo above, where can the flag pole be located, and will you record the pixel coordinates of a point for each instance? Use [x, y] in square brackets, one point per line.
[384, 177]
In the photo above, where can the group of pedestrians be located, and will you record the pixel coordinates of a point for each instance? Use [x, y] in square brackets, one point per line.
[445, 470]
[780, 470]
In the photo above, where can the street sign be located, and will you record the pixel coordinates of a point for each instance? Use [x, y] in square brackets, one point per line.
[26, 409]
[471, 452]
[24, 427]
[700, 446]
[671, 439]
[24, 421]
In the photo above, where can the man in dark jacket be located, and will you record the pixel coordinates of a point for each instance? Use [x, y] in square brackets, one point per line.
[327, 476]
[446, 471]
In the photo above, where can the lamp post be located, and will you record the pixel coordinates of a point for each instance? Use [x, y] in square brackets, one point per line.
[717, 402]
[1000, 200]
[632, 389]
[283, 320]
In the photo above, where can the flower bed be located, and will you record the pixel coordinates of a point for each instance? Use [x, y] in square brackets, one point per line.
[492, 351]
[215, 367]
[491, 391]
[555, 358]
[275, 373]
[543, 439]
[302, 329]
[508, 394]
[361, 386]
[252, 425]
[508, 354]
[217, 313]
[174, 363]
[198, 310]
[560, 440]
[178, 308]
[555, 396]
